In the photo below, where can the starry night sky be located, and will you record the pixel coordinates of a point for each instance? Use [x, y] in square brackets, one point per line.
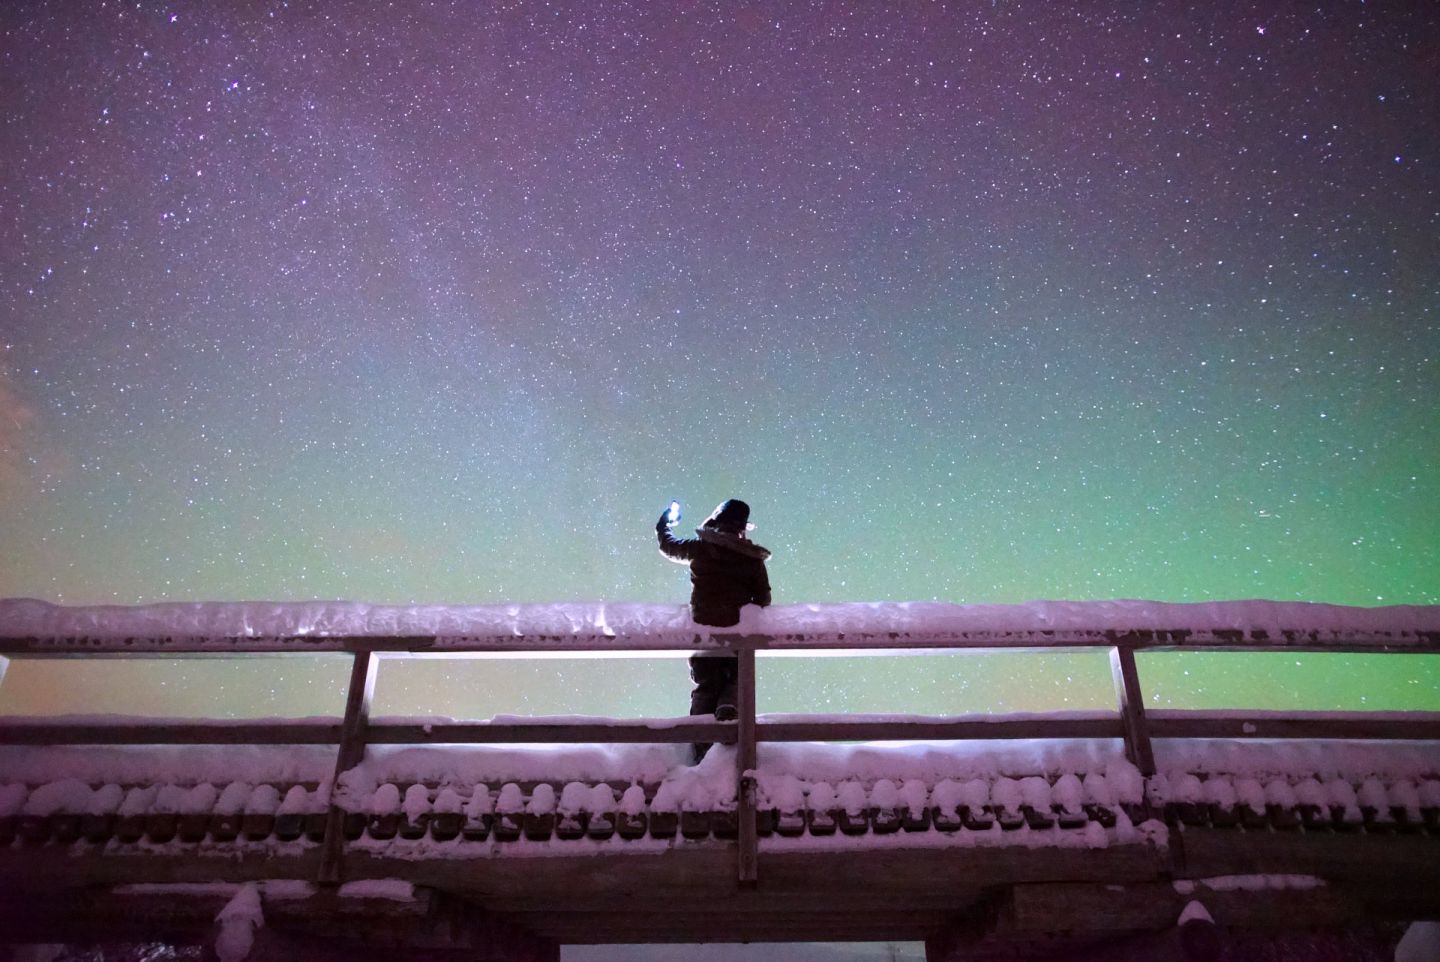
[980, 302]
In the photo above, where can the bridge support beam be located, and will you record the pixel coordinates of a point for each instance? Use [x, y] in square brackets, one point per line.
[1164, 921]
[1189, 941]
[1148, 920]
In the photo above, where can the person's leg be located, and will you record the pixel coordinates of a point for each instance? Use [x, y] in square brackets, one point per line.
[725, 707]
[708, 674]
[709, 679]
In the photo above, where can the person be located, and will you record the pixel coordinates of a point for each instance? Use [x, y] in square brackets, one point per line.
[727, 572]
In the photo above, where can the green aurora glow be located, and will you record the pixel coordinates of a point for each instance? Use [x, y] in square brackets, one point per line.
[986, 304]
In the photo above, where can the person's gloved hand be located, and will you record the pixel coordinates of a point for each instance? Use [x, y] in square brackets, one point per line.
[664, 523]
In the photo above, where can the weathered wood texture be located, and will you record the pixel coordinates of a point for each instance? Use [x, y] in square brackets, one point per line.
[307, 732]
[322, 925]
[1069, 906]
[1132, 709]
[689, 890]
[1161, 724]
[352, 751]
[776, 729]
[312, 732]
[747, 841]
[565, 733]
[1384, 726]
[1192, 941]
[700, 877]
[1389, 859]
[1291, 640]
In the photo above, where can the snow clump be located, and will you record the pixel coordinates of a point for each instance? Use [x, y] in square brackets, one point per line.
[238, 921]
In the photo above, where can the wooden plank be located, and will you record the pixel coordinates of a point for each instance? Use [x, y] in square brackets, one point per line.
[1195, 940]
[298, 732]
[707, 870]
[1132, 709]
[748, 867]
[313, 732]
[1413, 726]
[940, 729]
[1383, 862]
[578, 732]
[320, 925]
[358, 698]
[172, 646]
[1042, 907]
[829, 929]
[1087, 907]
[630, 926]
[1408, 726]
[352, 751]
[1296, 639]
[759, 901]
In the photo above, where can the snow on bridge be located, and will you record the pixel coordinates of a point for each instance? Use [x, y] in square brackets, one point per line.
[980, 834]
[327, 625]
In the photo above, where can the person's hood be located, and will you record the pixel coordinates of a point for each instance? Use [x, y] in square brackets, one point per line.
[733, 542]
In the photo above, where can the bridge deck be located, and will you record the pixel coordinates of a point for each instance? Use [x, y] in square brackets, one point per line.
[992, 865]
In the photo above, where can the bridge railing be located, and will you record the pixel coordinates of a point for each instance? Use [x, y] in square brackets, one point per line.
[1130, 722]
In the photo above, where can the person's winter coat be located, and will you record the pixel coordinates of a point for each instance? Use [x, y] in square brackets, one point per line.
[727, 572]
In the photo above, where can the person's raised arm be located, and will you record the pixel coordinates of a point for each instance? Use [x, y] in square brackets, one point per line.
[681, 552]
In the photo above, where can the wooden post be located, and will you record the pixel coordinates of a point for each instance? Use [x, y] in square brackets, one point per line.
[351, 753]
[1132, 709]
[745, 767]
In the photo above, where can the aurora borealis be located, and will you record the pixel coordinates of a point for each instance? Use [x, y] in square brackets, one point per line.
[991, 302]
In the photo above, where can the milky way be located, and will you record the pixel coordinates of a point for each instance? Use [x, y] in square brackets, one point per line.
[983, 302]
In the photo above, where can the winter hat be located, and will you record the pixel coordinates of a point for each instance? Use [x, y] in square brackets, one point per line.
[731, 515]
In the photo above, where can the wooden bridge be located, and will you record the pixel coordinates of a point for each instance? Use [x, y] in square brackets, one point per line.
[1161, 836]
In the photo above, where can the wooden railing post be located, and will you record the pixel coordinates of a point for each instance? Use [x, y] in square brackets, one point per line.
[351, 753]
[1132, 709]
[745, 767]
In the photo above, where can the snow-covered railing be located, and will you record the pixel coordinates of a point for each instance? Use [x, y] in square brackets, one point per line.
[33, 629]
[37, 628]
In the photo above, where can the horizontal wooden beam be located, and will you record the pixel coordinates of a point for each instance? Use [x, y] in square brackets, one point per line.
[921, 729]
[573, 732]
[322, 923]
[1139, 639]
[1398, 726]
[187, 911]
[631, 927]
[1381, 864]
[303, 732]
[1087, 907]
[299, 732]
[684, 905]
